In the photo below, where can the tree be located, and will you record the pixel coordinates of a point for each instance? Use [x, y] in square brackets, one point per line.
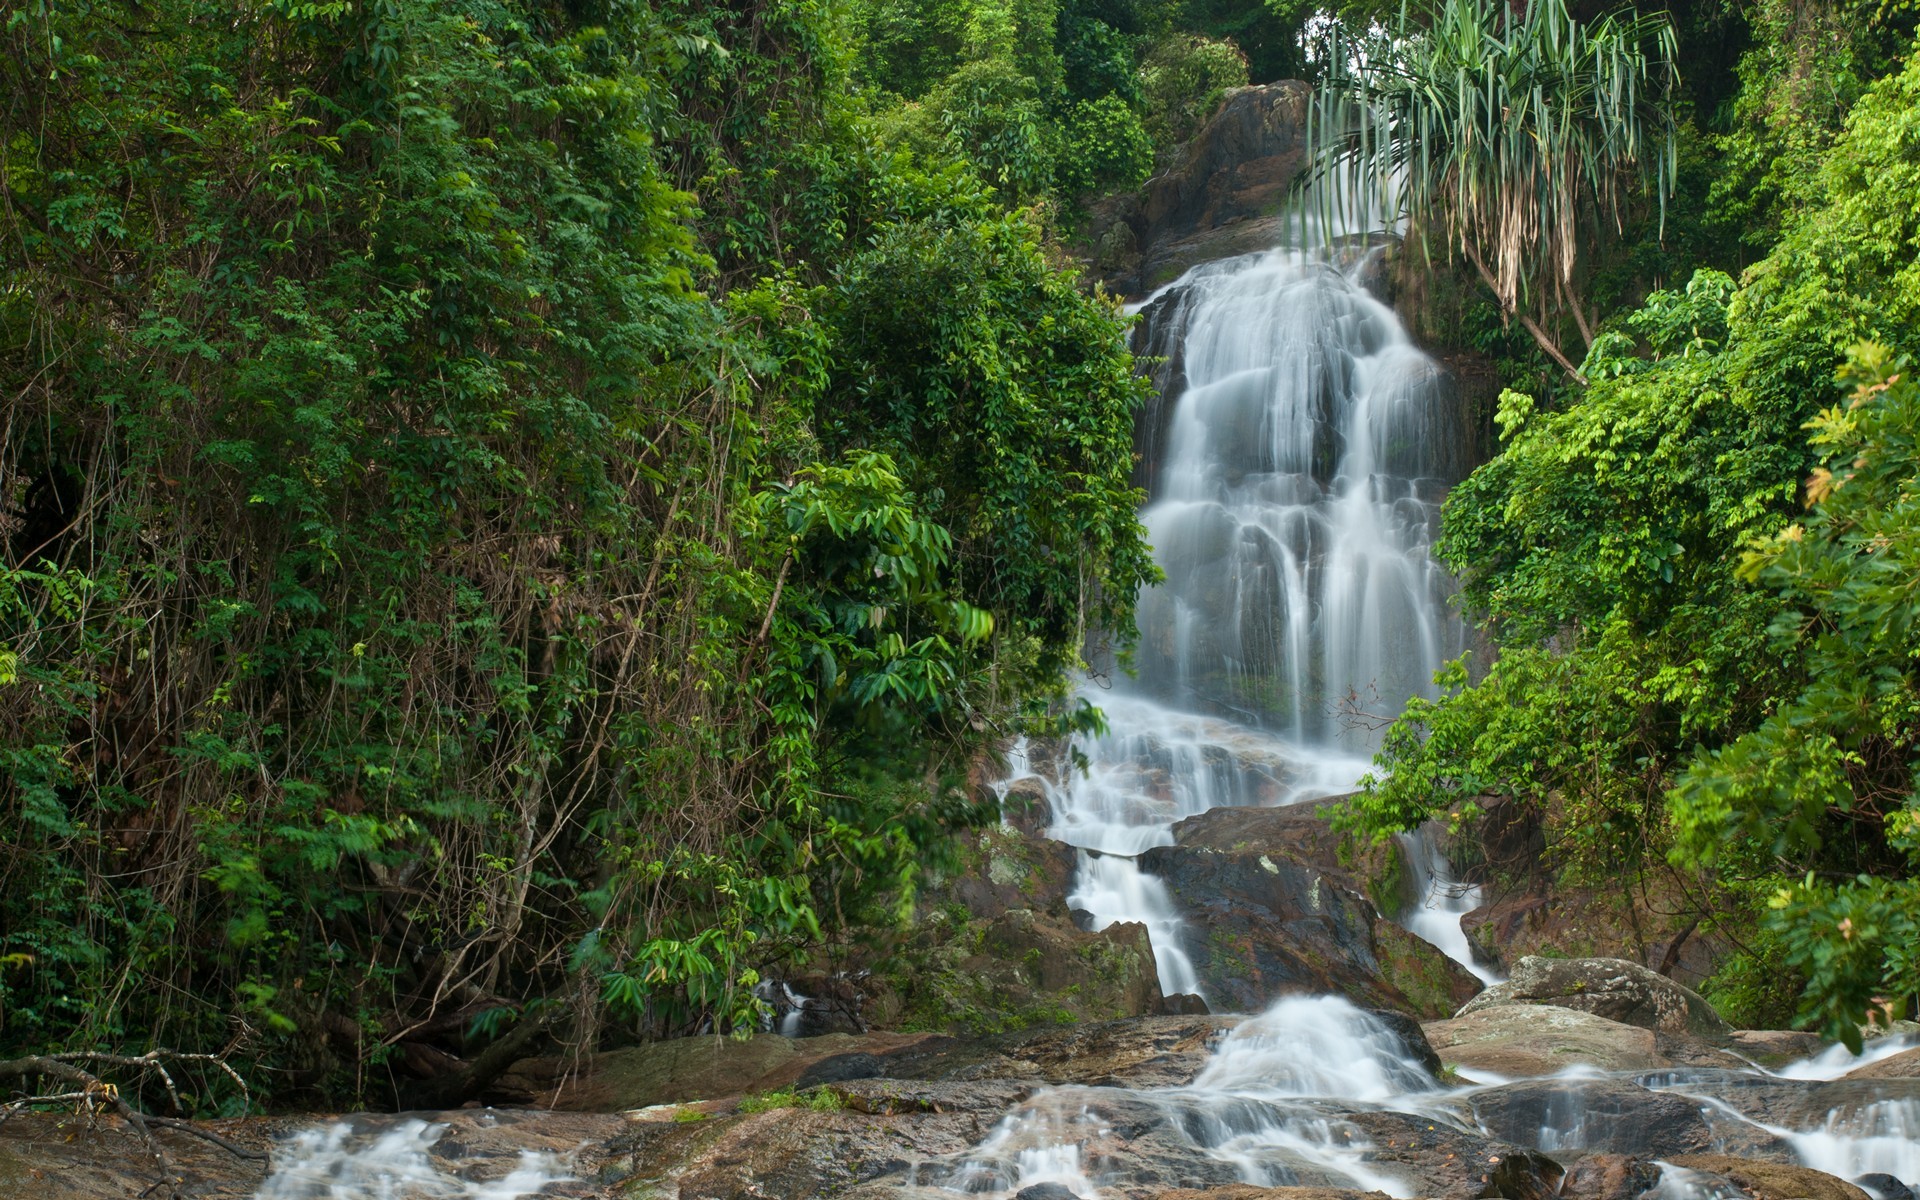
[1514, 136]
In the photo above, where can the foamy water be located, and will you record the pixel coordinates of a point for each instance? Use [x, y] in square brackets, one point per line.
[341, 1162]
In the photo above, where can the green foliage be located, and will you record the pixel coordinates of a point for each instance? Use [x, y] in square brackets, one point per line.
[1182, 79]
[1672, 636]
[1835, 760]
[448, 582]
[819, 1099]
[1509, 134]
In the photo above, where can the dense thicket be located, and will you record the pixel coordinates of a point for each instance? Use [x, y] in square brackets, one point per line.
[1704, 615]
[517, 514]
[512, 513]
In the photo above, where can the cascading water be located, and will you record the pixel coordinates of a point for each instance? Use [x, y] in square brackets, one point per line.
[1308, 447]
[1257, 1114]
[1443, 902]
[394, 1161]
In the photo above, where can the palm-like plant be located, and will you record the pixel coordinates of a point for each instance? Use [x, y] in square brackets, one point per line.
[1510, 130]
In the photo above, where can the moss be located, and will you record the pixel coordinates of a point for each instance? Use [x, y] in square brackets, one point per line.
[1231, 956]
[819, 1099]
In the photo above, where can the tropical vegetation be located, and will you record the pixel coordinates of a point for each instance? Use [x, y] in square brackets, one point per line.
[521, 517]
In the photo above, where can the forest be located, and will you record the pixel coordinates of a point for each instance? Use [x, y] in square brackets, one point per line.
[523, 517]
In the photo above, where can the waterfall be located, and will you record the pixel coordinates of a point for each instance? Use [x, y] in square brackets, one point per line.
[1443, 902]
[1305, 463]
[1306, 448]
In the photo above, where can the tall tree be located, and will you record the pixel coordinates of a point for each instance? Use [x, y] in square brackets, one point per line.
[1514, 134]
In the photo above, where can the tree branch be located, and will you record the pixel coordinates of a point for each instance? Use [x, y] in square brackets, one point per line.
[1528, 323]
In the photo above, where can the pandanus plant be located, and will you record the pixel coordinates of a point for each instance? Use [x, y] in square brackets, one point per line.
[1510, 132]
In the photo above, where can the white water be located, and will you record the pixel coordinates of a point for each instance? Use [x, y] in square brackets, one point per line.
[1881, 1138]
[1292, 515]
[337, 1162]
[1836, 1060]
[1258, 1109]
[785, 1008]
[1444, 901]
[1292, 512]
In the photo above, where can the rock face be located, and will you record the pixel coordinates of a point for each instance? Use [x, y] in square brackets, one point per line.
[1607, 987]
[1223, 197]
[995, 946]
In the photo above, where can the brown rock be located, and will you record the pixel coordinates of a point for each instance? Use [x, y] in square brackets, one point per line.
[1607, 987]
[1024, 805]
[1772, 1181]
[1608, 1177]
[701, 1068]
[1450, 1165]
[1904, 1065]
[1279, 914]
[1776, 1047]
[1226, 194]
[1532, 1040]
[1245, 1191]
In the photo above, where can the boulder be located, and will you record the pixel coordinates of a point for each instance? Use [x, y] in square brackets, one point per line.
[686, 1069]
[1775, 1047]
[1247, 1191]
[1531, 1040]
[1144, 1053]
[1770, 1181]
[1026, 807]
[1274, 913]
[1611, 1116]
[1046, 1191]
[1450, 1164]
[1888, 1187]
[1607, 987]
[1845, 1105]
[1609, 1177]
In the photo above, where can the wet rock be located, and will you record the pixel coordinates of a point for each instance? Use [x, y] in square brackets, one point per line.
[1771, 1181]
[839, 1068]
[1245, 1191]
[68, 1158]
[1046, 1191]
[1148, 1052]
[1450, 1164]
[1273, 914]
[1024, 805]
[1888, 1187]
[1607, 1115]
[1413, 1037]
[1006, 869]
[1904, 1065]
[1184, 1004]
[1533, 1040]
[790, 1153]
[685, 1069]
[1607, 987]
[1839, 1104]
[1608, 1177]
[1776, 1047]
